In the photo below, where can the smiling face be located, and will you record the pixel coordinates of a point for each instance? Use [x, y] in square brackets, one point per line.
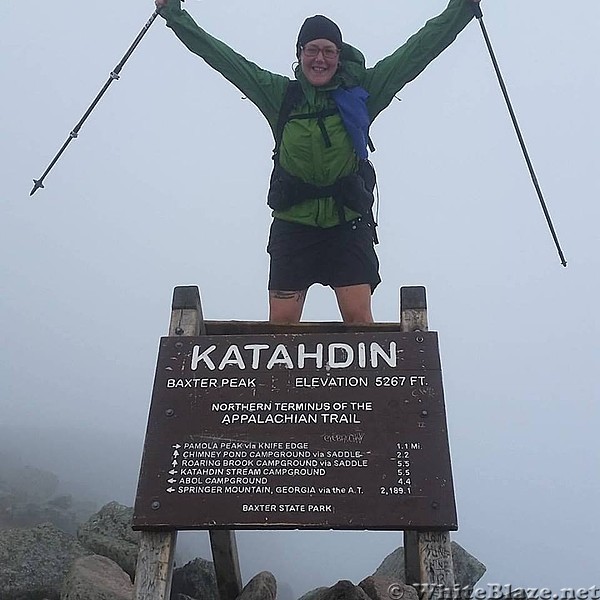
[319, 60]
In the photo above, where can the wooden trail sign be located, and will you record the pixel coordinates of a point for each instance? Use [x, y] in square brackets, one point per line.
[320, 431]
[315, 426]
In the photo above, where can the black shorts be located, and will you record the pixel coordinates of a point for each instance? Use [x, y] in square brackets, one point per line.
[336, 256]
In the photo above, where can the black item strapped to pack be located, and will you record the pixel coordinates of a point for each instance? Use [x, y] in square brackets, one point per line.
[355, 191]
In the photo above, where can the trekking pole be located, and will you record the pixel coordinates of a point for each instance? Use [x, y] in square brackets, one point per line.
[479, 16]
[39, 183]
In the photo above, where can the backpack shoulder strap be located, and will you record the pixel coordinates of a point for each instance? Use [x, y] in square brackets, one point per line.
[292, 96]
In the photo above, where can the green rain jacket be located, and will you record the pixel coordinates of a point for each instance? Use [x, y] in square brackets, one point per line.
[303, 152]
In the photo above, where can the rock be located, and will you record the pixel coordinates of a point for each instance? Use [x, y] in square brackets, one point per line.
[195, 579]
[314, 594]
[261, 587]
[96, 578]
[35, 561]
[108, 533]
[28, 497]
[467, 569]
[392, 566]
[31, 484]
[343, 590]
[31, 514]
[384, 588]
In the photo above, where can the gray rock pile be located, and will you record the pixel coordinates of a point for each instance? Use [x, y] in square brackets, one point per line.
[96, 578]
[34, 562]
[31, 496]
[467, 569]
[196, 579]
[109, 533]
[388, 581]
[261, 587]
[44, 562]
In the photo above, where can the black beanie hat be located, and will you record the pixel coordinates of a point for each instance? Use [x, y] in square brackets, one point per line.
[318, 27]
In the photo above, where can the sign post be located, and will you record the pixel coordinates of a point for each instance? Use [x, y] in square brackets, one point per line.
[427, 554]
[154, 572]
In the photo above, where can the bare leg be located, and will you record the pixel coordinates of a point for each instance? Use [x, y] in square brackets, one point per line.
[354, 302]
[286, 306]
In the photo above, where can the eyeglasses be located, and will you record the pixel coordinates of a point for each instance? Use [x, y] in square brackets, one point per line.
[313, 51]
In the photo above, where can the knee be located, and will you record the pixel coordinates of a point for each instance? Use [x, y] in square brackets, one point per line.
[283, 317]
[355, 303]
[356, 312]
[286, 307]
[358, 316]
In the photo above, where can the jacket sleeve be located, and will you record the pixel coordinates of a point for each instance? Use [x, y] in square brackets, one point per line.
[392, 73]
[261, 87]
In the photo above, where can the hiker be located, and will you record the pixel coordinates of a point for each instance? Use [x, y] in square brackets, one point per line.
[321, 192]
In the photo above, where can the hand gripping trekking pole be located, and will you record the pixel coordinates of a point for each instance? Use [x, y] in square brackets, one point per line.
[39, 183]
[479, 16]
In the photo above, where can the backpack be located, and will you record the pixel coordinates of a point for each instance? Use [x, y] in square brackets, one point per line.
[356, 121]
[356, 191]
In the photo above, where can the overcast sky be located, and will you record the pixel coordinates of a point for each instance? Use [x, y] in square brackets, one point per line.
[166, 186]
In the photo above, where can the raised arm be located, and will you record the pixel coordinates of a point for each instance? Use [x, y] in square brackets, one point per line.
[391, 74]
[263, 88]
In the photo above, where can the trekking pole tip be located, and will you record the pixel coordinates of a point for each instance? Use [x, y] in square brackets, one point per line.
[563, 260]
[37, 184]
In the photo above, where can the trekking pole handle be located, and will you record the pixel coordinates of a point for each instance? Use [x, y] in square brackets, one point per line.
[476, 6]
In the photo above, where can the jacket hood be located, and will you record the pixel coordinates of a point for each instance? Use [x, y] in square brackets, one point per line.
[353, 64]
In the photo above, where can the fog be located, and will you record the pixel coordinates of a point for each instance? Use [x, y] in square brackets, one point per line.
[166, 186]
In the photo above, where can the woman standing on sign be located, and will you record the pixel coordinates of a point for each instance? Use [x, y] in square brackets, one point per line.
[322, 183]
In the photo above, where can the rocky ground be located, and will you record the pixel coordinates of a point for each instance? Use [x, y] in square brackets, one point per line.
[50, 551]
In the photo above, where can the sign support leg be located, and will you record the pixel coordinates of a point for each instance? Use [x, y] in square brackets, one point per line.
[427, 554]
[227, 565]
[154, 572]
